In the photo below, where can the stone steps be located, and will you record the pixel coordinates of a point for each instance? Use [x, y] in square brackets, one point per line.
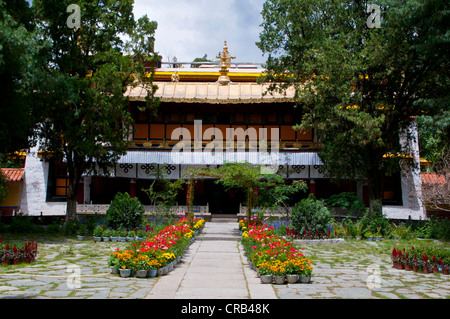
[223, 230]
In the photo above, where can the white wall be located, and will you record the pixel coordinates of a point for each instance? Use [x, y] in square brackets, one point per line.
[34, 192]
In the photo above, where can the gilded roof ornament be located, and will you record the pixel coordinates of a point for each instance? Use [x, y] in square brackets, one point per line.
[225, 60]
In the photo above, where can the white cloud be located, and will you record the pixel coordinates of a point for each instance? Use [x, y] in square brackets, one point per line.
[191, 28]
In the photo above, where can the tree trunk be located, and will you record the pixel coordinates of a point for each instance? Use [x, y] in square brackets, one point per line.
[72, 200]
[375, 193]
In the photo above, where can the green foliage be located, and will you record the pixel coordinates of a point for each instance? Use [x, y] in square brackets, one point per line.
[125, 212]
[22, 224]
[375, 223]
[83, 108]
[358, 87]
[439, 228]
[20, 49]
[348, 201]
[310, 214]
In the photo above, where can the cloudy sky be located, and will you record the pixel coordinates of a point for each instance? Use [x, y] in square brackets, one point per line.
[188, 29]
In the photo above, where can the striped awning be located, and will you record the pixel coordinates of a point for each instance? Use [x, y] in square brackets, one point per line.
[219, 158]
[213, 93]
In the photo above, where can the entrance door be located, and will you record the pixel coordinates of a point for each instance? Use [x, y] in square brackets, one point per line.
[220, 200]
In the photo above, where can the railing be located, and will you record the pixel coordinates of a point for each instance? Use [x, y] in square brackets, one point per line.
[169, 144]
[91, 209]
[278, 212]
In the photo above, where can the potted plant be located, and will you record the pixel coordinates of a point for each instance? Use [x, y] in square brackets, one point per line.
[425, 265]
[123, 235]
[265, 273]
[98, 232]
[131, 235]
[358, 230]
[378, 234]
[82, 232]
[140, 234]
[415, 263]
[292, 271]
[114, 263]
[445, 265]
[279, 272]
[368, 235]
[305, 276]
[114, 235]
[106, 234]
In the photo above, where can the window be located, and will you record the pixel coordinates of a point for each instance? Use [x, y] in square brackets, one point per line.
[58, 182]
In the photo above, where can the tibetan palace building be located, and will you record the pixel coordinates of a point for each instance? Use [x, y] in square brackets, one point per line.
[220, 113]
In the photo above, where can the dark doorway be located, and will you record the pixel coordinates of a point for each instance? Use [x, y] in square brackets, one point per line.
[220, 200]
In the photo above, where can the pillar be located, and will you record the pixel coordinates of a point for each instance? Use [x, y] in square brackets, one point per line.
[132, 188]
[312, 187]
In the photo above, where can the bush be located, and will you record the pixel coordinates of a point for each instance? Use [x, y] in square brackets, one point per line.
[22, 224]
[125, 212]
[439, 228]
[311, 215]
[347, 201]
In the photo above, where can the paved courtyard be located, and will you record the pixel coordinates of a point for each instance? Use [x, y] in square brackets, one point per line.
[214, 268]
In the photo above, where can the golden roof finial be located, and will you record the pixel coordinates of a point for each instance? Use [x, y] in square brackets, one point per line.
[225, 59]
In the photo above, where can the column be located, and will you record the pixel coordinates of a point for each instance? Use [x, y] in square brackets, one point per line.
[132, 188]
[312, 187]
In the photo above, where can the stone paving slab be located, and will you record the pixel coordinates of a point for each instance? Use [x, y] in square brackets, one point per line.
[215, 269]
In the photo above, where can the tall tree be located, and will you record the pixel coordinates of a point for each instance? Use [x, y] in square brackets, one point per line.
[19, 51]
[358, 82]
[84, 110]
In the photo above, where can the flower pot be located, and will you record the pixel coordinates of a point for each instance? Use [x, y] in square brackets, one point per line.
[122, 239]
[408, 267]
[266, 279]
[292, 279]
[165, 270]
[114, 238]
[377, 238]
[435, 270]
[97, 238]
[425, 270]
[5, 262]
[114, 270]
[445, 271]
[106, 238]
[170, 266]
[160, 271]
[415, 268]
[279, 280]
[152, 273]
[16, 261]
[305, 279]
[141, 273]
[124, 273]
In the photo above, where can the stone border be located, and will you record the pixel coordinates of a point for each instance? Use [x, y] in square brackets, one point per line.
[333, 241]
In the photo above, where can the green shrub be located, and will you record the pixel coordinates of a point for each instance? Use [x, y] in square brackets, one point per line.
[71, 227]
[374, 223]
[54, 228]
[22, 224]
[125, 212]
[439, 228]
[310, 214]
[347, 201]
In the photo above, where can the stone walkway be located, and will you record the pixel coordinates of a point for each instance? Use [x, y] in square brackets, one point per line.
[215, 268]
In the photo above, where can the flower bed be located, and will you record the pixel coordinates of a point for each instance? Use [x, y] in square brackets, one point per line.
[16, 252]
[421, 259]
[273, 256]
[158, 253]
